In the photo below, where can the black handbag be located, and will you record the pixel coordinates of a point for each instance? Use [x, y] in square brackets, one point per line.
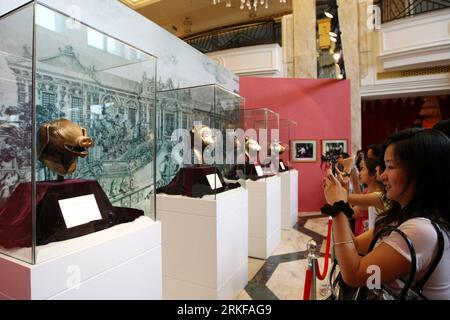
[341, 291]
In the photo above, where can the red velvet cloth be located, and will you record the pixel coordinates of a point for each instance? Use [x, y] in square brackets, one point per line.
[191, 181]
[16, 213]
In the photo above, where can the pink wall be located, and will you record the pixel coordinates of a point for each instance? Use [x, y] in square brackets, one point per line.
[321, 108]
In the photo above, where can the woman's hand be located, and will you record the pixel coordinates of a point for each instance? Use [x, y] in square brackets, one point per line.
[348, 164]
[333, 190]
[344, 181]
[354, 173]
[342, 178]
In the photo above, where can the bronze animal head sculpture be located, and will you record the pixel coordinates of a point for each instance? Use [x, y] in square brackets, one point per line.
[277, 148]
[203, 133]
[252, 148]
[60, 143]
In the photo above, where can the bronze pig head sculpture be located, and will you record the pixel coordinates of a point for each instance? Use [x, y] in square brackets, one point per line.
[60, 142]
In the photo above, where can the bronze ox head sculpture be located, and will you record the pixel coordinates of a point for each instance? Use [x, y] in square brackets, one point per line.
[60, 143]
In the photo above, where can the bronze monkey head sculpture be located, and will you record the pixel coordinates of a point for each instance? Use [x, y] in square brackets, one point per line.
[60, 143]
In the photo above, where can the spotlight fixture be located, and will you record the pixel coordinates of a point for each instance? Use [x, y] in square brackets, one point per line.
[250, 4]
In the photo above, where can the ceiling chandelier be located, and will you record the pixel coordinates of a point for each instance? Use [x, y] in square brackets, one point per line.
[250, 4]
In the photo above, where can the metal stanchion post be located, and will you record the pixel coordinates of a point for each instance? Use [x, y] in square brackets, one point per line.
[312, 249]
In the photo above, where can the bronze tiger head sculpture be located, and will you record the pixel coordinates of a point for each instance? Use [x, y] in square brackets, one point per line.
[60, 143]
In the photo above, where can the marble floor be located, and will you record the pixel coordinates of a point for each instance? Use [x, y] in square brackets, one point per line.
[282, 275]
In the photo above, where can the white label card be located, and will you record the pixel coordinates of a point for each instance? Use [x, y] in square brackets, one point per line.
[214, 185]
[79, 210]
[259, 171]
[282, 165]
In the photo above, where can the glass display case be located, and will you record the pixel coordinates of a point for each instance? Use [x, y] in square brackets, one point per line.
[77, 112]
[261, 136]
[287, 133]
[193, 127]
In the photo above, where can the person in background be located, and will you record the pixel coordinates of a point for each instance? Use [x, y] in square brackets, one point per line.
[374, 151]
[369, 204]
[368, 176]
[443, 126]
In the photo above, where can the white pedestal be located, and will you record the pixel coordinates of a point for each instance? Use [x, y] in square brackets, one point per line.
[122, 262]
[204, 243]
[264, 216]
[289, 198]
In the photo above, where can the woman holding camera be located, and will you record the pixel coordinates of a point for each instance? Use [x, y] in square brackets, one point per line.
[373, 201]
[416, 178]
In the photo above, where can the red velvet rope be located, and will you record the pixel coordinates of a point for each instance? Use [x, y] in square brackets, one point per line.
[321, 276]
[307, 287]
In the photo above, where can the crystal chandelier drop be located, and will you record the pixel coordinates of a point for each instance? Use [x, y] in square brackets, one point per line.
[250, 4]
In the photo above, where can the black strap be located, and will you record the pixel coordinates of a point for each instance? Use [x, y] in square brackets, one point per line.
[418, 287]
[441, 244]
[412, 274]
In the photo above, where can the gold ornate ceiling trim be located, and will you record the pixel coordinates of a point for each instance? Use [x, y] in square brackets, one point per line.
[136, 4]
[413, 73]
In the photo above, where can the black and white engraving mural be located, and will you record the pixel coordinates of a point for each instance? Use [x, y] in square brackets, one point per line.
[95, 81]
[15, 101]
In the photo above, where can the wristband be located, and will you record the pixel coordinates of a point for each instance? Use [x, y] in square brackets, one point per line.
[337, 207]
[344, 242]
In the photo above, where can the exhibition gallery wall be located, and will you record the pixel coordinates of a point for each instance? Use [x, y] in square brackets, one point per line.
[321, 109]
[105, 85]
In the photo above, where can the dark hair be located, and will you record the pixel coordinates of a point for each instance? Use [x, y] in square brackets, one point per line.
[425, 155]
[371, 165]
[395, 137]
[443, 126]
[376, 150]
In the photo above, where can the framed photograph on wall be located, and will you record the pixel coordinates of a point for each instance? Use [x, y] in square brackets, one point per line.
[304, 150]
[334, 146]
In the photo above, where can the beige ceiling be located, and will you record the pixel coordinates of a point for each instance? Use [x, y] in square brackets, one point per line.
[171, 14]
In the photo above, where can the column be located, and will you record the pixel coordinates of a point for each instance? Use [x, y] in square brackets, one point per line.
[349, 25]
[299, 40]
